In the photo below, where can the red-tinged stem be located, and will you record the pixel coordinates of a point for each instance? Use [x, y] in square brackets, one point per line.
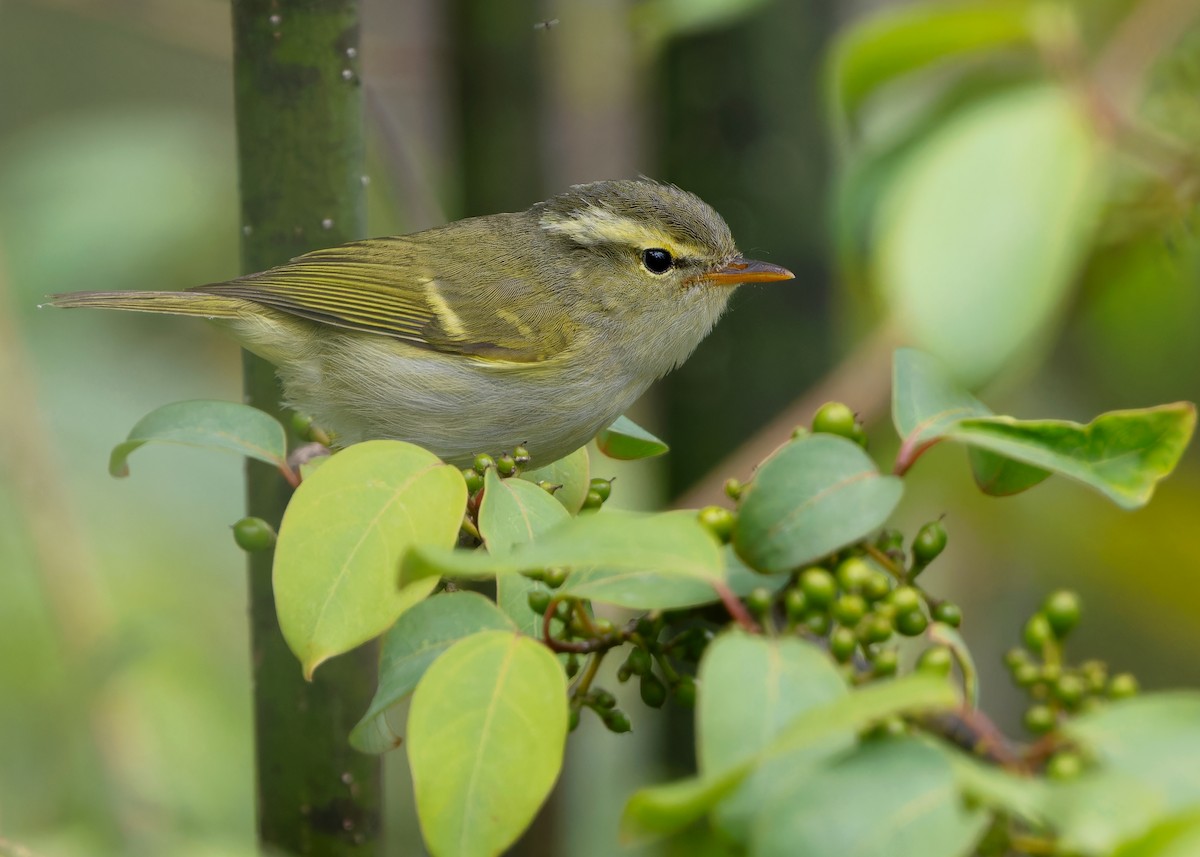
[736, 608]
[910, 450]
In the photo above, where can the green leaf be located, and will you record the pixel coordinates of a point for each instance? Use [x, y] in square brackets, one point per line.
[887, 799]
[742, 579]
[1175, 837]
[815, 495]
[897, 42]
[644, 562]
[657, 21]
[625, 440]
[1122, 454]
[992, 786]
[1097, 811]
[750, 688]
[514, 512]
[343, 536]
[486, 732]
[662, 810]
[410, 646]
[224, 426]
[982, 232]
[572, 473]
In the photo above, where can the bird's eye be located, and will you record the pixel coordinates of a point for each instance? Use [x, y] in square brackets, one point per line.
[657, 260]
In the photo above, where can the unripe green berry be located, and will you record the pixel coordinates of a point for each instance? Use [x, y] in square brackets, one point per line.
[799, 432]
[1038, 632]
[948, 613]
[603, 626]
[717, 520]
[615, 720]
[859, 435]
[624, 673]
[1069, 690]
[548, 486]
[937, 661]
[842, 643]
[1016, 657]
[1064, 765]
[819, 587]
[876, 587]
[253, 535]
[734, 489]
[795, 602]
[521, 455]
[875, 628]
[911, 623]
[649, 626]
[572, 665]
[1095, 673]
[1027, 675]
[539, 601]
[852, 573]
[885, 662]
[483, 462]
[848, 610]
[1040, 719]
[818, 623]
[759, 600]
[603, 699]
[654, 692]
[593, 500]
[554, 577]
[906, 599]
[928, 543]
[506, 465]
[302, 425]
[1062, 612]
[639, 661]
[1050, 673]
[473, 479]
[834, 418]
[601, 486]
[1122, 686]
[685, 691]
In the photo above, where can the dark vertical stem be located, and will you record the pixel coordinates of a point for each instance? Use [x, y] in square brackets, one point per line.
[300, 154]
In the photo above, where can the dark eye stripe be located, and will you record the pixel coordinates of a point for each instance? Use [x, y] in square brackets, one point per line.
[657, 260]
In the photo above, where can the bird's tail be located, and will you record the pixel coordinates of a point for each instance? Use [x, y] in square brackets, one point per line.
[169, 303]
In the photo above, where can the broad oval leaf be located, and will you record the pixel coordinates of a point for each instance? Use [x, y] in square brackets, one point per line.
[1176, 837]
[419, 636]
[514, 512]
[644, 562]
[1122, 454]
[572, 473]
[927, 400]
[486, 733]
[887, 799]
[817, 494]
[225, 426]
[343, 535]
[625, 440]
[982, 232]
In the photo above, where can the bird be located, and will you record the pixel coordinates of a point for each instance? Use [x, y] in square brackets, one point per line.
[535, 328]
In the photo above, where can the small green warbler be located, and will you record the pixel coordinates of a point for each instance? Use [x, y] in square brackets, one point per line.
[538, 327]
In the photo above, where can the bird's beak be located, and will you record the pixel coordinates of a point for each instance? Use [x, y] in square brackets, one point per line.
[739, 270]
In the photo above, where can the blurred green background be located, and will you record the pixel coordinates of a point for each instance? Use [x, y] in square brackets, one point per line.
[1011, 184]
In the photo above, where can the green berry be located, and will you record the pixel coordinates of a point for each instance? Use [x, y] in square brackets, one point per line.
[639, 661]
[890, 540]
[654, 692]
[948, 613]
[818, 586]
[521, 455]
[685, 691]
[1069, 690]
[795, 602]
[842, 643]
[799, 432]
[601, 486]
[1062, 612]
[483, 462]
[1016, 657]
[624, 673]
[885, 662]
[1051, 673]
[572, 666]
[911, 623]
[876, 587]
[1038, 632]
[937, 661]
[734, 489]
[1027, 675]
[506, 465]
[302, 425]
[473, 479]
[554, 577]
[548, 486]
[905, 599]
[718, 521]
[1122, 686]
[928, 543]
[603, 626]
[853, 573]
[848, 610]
[593, 500]
[615, 720]
[253, 535]
[573, 719]
[539, 601]
[875, 628]
[1064, 765]
[649, 626]
[1095, 673]
[603, 699]
[1040, 719]
[818, 623]
[759, 600]
[859, 435]
[834, 418]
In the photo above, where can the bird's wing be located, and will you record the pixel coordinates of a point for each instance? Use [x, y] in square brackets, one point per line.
[450, 304]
